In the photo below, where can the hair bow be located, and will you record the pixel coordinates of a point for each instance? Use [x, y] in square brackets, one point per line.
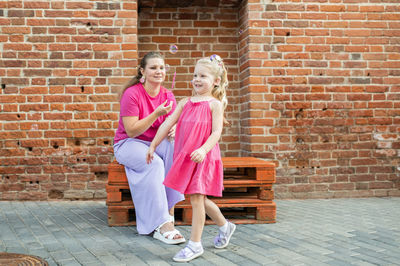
[216, 58]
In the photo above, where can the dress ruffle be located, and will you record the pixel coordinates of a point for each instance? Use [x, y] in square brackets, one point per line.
[200, 177]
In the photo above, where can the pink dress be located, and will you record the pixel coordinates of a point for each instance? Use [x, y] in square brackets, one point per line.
[192, 131]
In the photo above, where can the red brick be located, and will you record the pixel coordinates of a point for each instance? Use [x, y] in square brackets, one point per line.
[333, 8]
[57, 13]
[36, 5]
[341, 186]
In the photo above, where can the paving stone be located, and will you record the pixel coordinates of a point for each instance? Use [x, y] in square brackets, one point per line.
[363, 263]
[41, 252]
[248, 254]
[109, 259]
[53, 246]
[51, 262]
[61, 255]
[84, 257]
[19, 250]
[362, 231]
[69, 262]
[370, 259]
[6, 233]
[96, 264]
[128, 255]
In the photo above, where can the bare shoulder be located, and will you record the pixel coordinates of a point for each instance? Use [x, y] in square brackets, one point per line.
[182, 102]
[216, 105]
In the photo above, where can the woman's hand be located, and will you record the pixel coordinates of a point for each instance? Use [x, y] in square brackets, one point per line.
[163, 109]
[198, 155]
[171, 133]
[150, 154]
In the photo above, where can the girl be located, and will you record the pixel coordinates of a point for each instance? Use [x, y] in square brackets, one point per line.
[197, 168]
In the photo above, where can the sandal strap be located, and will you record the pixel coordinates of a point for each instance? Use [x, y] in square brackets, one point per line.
[171, 234]
[187, 251]
[158, 228]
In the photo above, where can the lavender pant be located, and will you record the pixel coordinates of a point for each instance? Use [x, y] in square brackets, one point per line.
[151, 198]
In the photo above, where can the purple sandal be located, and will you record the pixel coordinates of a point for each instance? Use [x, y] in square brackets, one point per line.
[187, 254]
[222, 239]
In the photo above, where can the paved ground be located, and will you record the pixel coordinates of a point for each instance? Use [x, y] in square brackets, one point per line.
[307, 232]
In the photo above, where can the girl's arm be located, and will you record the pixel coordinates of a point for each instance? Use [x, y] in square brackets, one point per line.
[135, 127]
[217, 122]
[163, 130]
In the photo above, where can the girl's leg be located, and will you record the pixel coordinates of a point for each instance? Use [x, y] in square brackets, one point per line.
[194, 248]
[226, 228]
[198, 216]
[214, 212]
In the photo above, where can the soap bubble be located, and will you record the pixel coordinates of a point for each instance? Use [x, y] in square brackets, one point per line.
[167, 68]
[173, 49]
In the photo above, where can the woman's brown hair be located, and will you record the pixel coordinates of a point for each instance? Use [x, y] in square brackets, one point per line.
[136, 79]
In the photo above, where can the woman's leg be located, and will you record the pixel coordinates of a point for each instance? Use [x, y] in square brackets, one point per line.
[214, 212]
[145, 182]
[166, 152]
[198, 216]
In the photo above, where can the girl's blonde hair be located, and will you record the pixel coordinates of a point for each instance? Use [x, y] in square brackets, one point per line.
[136, 79]
[217, 68]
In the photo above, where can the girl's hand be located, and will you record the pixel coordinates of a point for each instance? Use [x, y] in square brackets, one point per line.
[198, 155]
[171, 133]
[150, 155]
[163, 109]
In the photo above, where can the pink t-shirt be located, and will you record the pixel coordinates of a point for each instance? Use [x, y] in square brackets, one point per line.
[137, 102]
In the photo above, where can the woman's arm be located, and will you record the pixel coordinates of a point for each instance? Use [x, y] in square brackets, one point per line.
[163, 130]
[135, 127]
[217, 123]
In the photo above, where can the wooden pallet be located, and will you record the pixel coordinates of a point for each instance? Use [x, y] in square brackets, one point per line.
[118, 194]
[247, 195]
[239, 210]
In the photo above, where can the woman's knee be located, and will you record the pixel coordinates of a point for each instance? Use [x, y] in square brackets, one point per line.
[157, 163]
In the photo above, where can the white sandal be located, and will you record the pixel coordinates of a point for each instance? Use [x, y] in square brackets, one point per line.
[172, 219]
[168, 237]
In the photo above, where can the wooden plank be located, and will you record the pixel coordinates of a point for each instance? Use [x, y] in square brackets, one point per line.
[239, 201]
[229, 162]
[227, 183]
[254, 169]
[266, 213]
[116, 195]
[233, 162]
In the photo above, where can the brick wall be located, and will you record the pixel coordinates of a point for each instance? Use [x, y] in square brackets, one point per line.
[323, 93]
[60, 63]
[314, 86]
